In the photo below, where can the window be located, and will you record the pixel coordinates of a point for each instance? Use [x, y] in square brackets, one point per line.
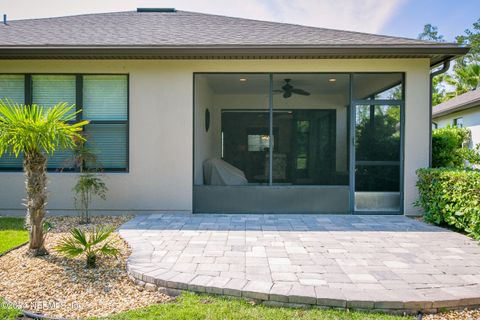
[12, 87]
[458, 122]
[103, 100]
[105, 104]
[257, 142]
[47, 91]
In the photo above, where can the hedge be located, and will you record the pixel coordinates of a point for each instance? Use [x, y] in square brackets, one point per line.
[451, 197]
[448, 147]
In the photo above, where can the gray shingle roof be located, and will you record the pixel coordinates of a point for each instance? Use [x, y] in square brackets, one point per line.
[464, 101]
[190, 30]
[178, 28]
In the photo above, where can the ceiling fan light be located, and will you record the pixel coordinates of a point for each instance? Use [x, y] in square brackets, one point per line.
[243, 79]
[332, 80]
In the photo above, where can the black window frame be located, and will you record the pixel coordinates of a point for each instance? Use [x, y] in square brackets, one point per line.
[28, 100]
[456, 122]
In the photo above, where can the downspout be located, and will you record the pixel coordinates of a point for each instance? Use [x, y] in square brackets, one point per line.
[445, 67]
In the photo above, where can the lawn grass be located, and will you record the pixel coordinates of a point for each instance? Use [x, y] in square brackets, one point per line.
[12, 233]
[7, 312]
[194, 306]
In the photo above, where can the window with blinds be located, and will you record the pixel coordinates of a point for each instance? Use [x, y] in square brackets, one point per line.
[47, 91]
[12, 88]
[105, 105]
[103, 100]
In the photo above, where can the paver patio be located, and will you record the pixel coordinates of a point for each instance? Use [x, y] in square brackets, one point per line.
[390, 263]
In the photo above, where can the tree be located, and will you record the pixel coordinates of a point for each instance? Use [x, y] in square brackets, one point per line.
[36, 132]
[466, 72]
[471, 38]
[430, 33]
[464, 78]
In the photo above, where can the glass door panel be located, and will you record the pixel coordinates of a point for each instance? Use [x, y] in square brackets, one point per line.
[377, 157]
[310, 124]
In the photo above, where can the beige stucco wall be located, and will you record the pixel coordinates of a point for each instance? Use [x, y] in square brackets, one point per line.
[161, 126]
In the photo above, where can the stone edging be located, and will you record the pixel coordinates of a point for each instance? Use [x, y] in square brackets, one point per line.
[172, 283]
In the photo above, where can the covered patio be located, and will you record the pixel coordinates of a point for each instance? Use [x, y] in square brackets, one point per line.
[390, 263]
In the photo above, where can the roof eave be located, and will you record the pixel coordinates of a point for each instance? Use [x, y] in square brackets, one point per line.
[437, 53]
[469, 105]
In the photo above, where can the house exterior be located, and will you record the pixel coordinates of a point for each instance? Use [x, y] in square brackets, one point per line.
[193, 112]
[463, 111]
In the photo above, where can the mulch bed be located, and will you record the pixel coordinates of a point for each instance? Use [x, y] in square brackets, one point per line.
[64, 288]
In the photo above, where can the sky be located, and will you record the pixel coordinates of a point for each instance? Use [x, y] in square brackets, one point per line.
[404, 18]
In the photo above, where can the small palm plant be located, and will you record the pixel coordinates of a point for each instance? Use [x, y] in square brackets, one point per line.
[87, 186]
[36, 132]
[92, 245]
[89, 183]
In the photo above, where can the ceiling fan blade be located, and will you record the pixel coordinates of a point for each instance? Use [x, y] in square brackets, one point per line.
[278, 91]
[301, 92]
[287, 94]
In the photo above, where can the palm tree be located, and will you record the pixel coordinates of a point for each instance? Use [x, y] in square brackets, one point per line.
[36, 132]
[465, 78]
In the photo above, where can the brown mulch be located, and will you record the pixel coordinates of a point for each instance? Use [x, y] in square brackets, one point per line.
[61, 287]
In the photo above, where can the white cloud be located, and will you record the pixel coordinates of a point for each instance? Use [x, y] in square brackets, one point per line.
[357, 15]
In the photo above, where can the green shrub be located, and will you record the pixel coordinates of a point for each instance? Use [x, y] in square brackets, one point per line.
[451, 197]
[448, 147]
[91, 245]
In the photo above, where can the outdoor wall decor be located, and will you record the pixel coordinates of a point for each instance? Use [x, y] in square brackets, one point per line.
[207, 120]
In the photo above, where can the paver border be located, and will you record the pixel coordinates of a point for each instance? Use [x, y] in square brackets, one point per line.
[304, 295]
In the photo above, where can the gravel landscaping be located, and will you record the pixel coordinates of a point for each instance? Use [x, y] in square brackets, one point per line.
[455, 315]
[60, 287]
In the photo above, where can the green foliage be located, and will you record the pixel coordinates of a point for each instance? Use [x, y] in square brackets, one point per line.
[8, 312]
[12, 233]
[464, 79]
[438, 89]
[471, 38]
[472, 156]
[89, 183]
[92, 245]
[465, 75]
[448, 147]
[377, 137]
[36, 129]
[451, 197]
[430, 33]
[87, 186]
[201, 306]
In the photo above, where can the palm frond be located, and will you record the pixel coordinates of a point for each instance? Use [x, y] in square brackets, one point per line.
[109, 250]
[80, 237]
[69, 247]
[36, 129]
[101, 234]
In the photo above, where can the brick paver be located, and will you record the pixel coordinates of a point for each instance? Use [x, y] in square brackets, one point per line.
[374, 262]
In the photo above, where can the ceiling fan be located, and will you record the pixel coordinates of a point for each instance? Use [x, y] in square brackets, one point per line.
[287, 90]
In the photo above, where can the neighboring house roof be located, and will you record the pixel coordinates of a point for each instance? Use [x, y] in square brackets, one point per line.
[195, 35]
[464, 101]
